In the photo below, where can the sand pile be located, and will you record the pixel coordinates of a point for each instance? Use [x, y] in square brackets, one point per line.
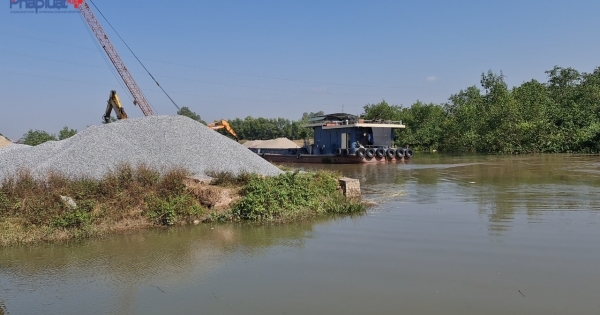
[279, 143]
[4, 142]
[251, 143]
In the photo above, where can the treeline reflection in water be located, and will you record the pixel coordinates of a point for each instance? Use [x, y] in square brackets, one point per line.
[500, 185]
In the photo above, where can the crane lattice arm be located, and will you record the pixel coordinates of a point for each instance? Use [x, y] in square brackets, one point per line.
[138, 97]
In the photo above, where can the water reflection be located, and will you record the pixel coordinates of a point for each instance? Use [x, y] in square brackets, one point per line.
[452, 235]
[500, 185]
[129, 265]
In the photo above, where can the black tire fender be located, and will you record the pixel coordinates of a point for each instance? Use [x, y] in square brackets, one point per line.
[399, 153]
[390, 153]
[361, 152]
[380, 153]
[370, 153]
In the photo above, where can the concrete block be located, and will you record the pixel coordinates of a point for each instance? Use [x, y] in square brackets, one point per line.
[350, 187]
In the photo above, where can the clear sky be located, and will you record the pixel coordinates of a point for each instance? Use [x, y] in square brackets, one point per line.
[233, 59]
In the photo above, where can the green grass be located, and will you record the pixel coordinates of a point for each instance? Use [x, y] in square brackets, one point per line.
[34, 210]
[293, 195]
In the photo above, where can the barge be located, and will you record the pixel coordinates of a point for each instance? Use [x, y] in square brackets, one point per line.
[343, 139]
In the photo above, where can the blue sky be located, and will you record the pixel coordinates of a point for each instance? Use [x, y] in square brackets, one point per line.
[228, 59]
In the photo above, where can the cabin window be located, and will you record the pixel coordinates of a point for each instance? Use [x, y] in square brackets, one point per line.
[382, 137]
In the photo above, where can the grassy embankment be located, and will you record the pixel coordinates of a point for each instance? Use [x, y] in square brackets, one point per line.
[128, 198]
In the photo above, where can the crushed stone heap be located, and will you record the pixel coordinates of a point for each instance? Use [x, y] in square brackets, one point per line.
[161, 142]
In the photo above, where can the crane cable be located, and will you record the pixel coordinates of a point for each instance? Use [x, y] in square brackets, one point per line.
[92, 2]
[102, 52]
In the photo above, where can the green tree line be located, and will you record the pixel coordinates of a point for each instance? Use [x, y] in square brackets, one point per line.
[251, 128]
[37, 137]
[560, 115]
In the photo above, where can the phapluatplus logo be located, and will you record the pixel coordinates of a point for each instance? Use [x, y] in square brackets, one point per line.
[45, 6]
[75, 3]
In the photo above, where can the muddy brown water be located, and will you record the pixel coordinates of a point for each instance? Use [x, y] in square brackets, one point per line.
[450, 235]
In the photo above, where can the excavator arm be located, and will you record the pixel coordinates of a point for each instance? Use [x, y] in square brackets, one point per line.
[223, 124]
[114, 104]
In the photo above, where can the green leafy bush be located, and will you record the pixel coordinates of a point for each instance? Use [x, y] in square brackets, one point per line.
[293, 195]
[168, 211]
[75, 218]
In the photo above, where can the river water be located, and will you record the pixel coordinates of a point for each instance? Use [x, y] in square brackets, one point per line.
[449, 235]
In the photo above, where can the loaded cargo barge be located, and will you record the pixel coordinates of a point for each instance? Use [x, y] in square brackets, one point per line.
[343, 139]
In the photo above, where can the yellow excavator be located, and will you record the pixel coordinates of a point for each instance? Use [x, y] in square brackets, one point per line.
[114, 104]
[223, 124]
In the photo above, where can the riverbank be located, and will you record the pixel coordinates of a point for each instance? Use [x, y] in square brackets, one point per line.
[128, 198]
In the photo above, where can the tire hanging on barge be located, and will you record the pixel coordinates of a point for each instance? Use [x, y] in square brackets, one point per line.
[399, 154]
[390, 153]
[361, 153]
[370, 152]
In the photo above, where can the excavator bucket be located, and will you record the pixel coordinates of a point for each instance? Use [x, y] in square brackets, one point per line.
[114, 104]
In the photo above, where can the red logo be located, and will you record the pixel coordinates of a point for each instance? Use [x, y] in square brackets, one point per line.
[75, 3]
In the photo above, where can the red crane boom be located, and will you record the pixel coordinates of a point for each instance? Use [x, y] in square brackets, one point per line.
[138, 97]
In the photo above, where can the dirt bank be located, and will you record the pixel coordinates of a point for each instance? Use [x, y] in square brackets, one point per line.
[59, 208]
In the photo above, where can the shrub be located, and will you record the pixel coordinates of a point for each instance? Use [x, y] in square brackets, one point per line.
[229, 179]
[293, 195]
[174, 208]
[172, 182]
[74, 218]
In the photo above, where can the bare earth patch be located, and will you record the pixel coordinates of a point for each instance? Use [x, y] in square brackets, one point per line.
[216, 199]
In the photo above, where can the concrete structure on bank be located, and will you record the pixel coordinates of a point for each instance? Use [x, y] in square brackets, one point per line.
[350, 187]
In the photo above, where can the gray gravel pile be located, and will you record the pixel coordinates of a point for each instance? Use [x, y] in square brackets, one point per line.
[161, 142]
